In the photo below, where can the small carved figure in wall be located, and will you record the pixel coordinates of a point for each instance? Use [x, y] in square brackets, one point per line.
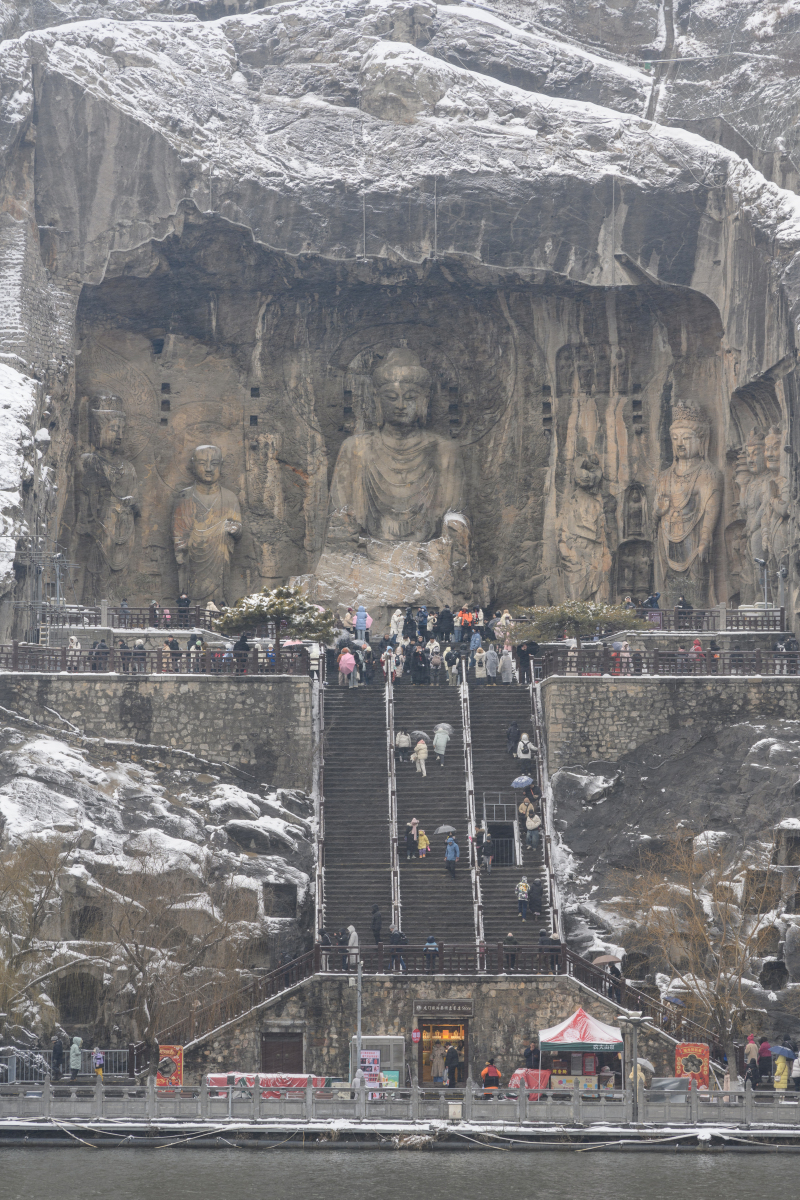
[582, 547]
[754, 506]
[108, 503]
[688, 501]
[206, 524]
[635, 568]
[635, 512]
[775, 521]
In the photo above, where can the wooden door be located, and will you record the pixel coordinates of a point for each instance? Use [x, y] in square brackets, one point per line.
[282, 1053]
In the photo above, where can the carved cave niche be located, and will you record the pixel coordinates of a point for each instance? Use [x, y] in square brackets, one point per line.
[629, 356]
[208, 337]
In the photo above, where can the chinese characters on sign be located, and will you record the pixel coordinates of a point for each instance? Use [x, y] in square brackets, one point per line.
[691, 1058]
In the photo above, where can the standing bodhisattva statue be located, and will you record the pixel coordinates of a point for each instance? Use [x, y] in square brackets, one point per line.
[206, 524]
[688, 502]
[108, 503]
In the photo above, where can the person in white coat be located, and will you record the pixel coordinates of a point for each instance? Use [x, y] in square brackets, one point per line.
[507, 667]
[352, 942]
[420, 755]
[525, 748]
[396, 625]
[440, 739]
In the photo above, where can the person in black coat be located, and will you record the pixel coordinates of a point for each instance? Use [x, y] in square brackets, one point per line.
[513, 735]
[377, 921]
[535, 897]
[524, 663]
[445, 623]
[532, 1055]
[451, 1061]
[58, 1057]
[409, 625]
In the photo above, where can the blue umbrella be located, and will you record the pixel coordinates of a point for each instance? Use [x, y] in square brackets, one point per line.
[784, 1050]
[675, 1000]
[522, 781]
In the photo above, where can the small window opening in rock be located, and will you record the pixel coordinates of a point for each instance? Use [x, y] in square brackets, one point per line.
[165, 421]
[453, 387]
[636, 405]
[165, 389]
[347, 410]
[545, 389]
[254, 420]
[453, 408]
[158, 345]
[347, 393]
[637, 418]
[165, 405]
[637, 387]
[547, 407]
[255, 393]
[547, 422]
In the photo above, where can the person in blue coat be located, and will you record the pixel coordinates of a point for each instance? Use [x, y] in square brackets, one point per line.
[451, 855]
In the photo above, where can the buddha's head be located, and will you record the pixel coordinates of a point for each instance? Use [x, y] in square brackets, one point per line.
[402, 389]
[206, 464]
[108, 423]
[689, 432]
[754, 452]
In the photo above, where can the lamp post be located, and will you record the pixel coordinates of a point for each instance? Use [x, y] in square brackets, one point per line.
[633, 1021]
[762, 562]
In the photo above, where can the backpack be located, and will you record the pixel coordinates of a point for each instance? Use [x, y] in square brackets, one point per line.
[436, 660]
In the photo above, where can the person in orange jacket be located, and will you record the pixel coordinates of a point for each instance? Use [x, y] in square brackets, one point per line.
[490, 1076]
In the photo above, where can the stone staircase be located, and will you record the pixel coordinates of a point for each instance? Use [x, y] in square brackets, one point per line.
[492, 709]
[357, 839]
[431, 902]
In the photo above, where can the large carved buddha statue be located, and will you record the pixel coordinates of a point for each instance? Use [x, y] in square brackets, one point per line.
[688, 504]
[396, 532]
[206, 523]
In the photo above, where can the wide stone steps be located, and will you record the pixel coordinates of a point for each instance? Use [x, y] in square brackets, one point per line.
[492, 709]
[357, 845]
[432, 902]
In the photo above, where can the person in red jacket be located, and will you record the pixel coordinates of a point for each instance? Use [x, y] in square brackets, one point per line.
[490, 1076]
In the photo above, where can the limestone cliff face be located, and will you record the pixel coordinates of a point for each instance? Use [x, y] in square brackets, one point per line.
[226, 221]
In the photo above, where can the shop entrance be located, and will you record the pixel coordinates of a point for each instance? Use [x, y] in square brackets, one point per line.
[444, 1034]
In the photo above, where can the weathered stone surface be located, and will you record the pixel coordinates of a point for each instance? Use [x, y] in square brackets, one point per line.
[261, 724]
[509, 1012]
[269, 202]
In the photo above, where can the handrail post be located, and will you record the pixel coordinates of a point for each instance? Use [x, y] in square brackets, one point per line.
[415, 1100]
[522, 1103]
[310, 1098]
[576, 1102]
[748, 1103]
[98, 1096]
[361, 1100]
[469, 1096]
[693, 1102]
[204, 1099]
[758, 660]
[47, 1097]
[151, 1097]
[256, 1097]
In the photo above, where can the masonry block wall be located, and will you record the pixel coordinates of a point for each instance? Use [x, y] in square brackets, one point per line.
[262, 723]
[509, 1012]
[588, 718]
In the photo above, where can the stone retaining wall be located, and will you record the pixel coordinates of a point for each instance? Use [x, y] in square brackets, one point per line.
[261, 723]
[589, 718]
[508, 1011]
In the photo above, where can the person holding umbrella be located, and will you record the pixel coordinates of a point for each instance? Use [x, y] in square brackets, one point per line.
[783, 1055]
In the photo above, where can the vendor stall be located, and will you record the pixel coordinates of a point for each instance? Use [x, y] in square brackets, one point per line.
[582, 1048]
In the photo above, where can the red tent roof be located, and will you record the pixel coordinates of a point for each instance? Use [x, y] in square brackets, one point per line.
[581, 1032]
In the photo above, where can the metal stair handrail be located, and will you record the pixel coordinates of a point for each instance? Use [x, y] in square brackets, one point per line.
[394, 857]
[548, 828]
[474, 864]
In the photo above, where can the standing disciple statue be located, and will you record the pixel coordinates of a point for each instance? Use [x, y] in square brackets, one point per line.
[397, 532]
[775, 521]
[582, 548]
[206, 524]
[688, 501]
[108, 503]
[754, 506]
